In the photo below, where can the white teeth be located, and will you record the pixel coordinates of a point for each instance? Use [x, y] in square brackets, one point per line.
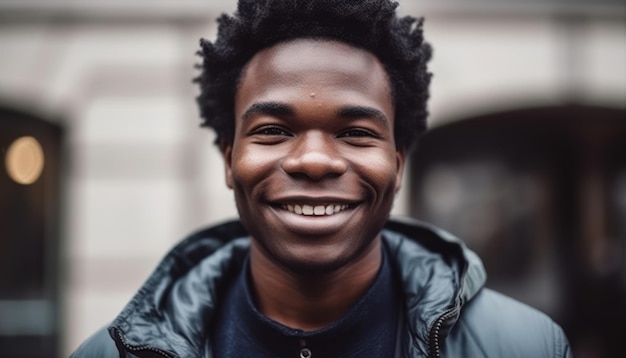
[318, 210]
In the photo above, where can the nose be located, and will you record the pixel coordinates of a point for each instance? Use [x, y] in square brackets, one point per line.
[314, 157]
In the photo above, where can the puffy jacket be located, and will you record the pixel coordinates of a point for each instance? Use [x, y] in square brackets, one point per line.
[448, 312]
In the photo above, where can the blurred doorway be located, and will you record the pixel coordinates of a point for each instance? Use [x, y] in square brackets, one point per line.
[540, 194]
[29, 235]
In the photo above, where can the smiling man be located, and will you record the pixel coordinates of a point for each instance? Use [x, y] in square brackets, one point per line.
[315, 105]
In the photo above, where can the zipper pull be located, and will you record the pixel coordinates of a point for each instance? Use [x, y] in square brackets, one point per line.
[304, 351]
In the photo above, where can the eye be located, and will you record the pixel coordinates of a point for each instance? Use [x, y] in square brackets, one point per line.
[269, 134]
[270, 131]
[357, 133]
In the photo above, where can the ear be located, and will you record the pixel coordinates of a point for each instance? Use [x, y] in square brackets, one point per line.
[227, 154]
[400, 161]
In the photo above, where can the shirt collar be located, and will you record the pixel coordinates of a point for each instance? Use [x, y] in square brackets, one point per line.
[369, 318]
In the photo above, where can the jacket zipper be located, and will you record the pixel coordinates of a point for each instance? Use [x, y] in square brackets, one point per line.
[127, 346]
[435, 332]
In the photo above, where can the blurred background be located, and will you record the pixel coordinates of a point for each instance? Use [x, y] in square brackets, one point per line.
[103, 166]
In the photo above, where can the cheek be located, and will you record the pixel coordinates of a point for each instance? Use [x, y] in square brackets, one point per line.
[381, 169]
[379, 173]
[249, 167]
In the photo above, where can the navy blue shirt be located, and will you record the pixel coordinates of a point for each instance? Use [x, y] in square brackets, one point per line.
[368, 330]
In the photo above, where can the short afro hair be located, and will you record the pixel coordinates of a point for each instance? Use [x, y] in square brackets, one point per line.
[373, 25]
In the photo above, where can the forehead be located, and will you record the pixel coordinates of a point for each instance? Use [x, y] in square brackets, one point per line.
[314, 64]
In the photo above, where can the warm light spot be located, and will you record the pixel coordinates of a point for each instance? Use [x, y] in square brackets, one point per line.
[25, 160]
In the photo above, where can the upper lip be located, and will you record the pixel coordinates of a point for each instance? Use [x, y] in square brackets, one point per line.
[312, 200]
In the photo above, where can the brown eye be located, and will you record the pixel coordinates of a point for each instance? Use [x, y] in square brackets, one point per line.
[356, 133]
[271, 131]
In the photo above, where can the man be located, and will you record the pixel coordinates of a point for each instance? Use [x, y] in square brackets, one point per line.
[315, 105]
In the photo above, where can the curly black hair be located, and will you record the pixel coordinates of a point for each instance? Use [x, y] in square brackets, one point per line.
[373, 25]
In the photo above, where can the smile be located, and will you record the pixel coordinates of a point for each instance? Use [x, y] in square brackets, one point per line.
[317, 210]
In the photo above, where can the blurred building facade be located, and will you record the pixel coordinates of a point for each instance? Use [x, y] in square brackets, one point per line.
[135, 173]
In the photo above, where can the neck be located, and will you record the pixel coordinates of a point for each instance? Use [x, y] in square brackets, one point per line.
[311, 301]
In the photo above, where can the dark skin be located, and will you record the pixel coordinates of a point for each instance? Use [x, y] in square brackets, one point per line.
[314, 168]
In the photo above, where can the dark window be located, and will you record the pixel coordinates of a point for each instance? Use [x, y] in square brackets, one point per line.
[29, 241]
[540, 194]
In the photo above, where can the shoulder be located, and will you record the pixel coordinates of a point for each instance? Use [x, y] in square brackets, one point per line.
[494, 325]
[99, 345]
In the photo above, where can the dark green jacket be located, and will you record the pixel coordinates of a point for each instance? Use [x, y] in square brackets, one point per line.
[448, 313]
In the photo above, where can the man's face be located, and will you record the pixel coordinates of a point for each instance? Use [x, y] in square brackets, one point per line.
[314, 165]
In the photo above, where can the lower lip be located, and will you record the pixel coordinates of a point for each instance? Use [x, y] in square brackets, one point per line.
[313, 225]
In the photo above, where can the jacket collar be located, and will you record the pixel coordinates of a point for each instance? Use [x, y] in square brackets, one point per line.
[178, 299]
[438, 273]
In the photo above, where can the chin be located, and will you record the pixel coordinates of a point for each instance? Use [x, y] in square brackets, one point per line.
[315, 260]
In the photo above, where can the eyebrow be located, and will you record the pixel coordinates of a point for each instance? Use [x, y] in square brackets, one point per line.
[275, 109]
[354, 112]
[278, 109]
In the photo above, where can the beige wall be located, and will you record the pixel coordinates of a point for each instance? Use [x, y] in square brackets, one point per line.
[140, 174]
